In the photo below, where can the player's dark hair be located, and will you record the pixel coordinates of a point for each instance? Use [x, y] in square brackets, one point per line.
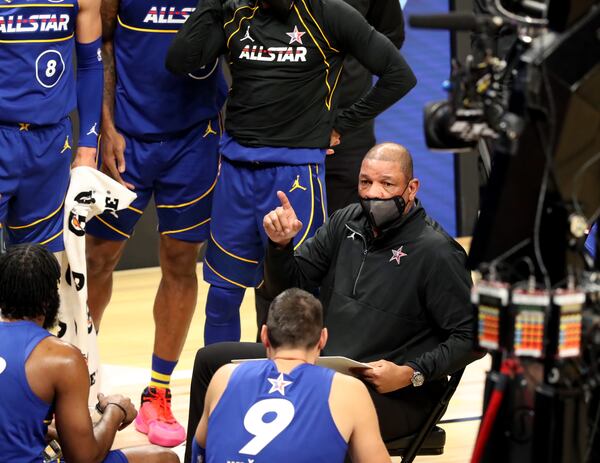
[295, 320]
[29, 277]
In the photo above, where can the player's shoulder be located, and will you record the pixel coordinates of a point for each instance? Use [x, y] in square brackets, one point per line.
[348, 388]
[58, 351]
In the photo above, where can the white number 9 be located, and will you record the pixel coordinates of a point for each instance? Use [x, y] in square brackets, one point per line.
[263, 432]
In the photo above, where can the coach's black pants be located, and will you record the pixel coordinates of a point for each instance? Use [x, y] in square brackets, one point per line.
[400, 412]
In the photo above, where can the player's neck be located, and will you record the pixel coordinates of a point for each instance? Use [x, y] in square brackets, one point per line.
[287, 359]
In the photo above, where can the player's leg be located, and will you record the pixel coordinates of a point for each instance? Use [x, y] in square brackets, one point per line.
[234, 250]
[102, 256]
[10, 169]
[208, 360]
[35, 212]
[107, 234]
[183, 191]
[142, 454]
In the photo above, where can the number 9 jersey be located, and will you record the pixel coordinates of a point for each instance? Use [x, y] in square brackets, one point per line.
[36, 71]
[265, 416]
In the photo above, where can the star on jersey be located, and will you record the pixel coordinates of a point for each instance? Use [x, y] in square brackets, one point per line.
[296, 36]
[397, 254]
[93, 130]
[279, 384]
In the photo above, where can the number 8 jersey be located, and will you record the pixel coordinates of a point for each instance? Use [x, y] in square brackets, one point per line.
[36, 67]
[265, 416]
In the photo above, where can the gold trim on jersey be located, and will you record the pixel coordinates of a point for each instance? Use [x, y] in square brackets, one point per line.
[223, 277]
[321, 192]
[111, 227]
[135, 210]
[243, 259]
[327, 66]
[30, 5]
[254, 10]
[319, 27]
[234, 13]
[62, 39]
[312, 209]
[140, 29]
[51, 238]
[174, 206]
[19, 227]
[170, 232]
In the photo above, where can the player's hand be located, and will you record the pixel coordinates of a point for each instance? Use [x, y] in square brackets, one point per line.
[125, 402]
[334, 139]
[281, 224]
[113, 157]
[387, 376]
[85, 156]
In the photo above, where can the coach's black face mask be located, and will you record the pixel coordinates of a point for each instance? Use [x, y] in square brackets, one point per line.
[281, 8]
[383, 213]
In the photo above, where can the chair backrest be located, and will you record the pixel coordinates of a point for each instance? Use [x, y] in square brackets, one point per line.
[417, 440]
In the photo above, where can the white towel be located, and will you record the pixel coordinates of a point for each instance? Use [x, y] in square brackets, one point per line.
[90, 193]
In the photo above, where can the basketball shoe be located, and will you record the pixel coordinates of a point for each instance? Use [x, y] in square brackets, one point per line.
[156, 419]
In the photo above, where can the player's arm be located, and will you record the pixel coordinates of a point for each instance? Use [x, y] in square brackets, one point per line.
[374, 51]
[215, 390]
[387, 17]
[200, 41]
[354, 415]
[80, 441]
[89, 80]
[113, 143]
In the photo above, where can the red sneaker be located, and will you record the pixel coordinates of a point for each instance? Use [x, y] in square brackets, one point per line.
[156, 419]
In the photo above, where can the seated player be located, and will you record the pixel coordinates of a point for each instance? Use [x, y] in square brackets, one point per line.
[286, 408]
[41, 375]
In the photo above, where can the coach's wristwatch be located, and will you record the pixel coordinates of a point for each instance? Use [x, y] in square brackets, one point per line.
[417, 379]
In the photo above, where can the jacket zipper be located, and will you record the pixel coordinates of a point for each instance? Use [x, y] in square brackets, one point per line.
[364, 257]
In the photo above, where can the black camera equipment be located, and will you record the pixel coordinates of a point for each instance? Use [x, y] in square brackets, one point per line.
[537, 109]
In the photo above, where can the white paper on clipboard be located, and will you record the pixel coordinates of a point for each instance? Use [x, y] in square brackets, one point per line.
[335, 362]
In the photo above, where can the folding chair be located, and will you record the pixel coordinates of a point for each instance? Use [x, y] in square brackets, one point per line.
[430, 439]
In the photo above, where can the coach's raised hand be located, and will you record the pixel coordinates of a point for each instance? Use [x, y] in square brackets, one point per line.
[281, 224]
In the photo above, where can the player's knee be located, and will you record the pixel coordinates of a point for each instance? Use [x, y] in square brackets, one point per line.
[102, 257]
[223, 305]
[178, 258]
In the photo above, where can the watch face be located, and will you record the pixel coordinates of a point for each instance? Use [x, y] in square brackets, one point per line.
[418, 379]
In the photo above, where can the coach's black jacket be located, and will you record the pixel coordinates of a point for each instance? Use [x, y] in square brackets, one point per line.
[402, 297]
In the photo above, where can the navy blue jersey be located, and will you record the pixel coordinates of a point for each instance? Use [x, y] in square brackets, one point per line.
[265, 416]
[36, 49]
[22, 413]
[151, 101]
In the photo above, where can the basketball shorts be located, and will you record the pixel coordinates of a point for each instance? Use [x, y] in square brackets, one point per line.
[244, 194]
[34, 177]
[180, 172]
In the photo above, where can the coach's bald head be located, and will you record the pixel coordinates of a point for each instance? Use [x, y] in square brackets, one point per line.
[392, 152]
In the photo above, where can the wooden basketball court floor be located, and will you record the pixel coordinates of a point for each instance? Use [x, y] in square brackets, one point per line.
[126, 341]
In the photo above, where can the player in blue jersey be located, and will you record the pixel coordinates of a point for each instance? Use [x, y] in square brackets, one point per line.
[282, 116]
[160, 135]
[286, 408]
[40, 374]
[38, 90]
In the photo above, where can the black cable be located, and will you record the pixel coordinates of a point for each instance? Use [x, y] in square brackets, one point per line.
[588, 452]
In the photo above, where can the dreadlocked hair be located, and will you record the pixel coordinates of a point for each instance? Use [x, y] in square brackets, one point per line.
[29, 276]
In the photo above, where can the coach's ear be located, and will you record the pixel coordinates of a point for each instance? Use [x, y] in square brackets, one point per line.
[264, 336]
